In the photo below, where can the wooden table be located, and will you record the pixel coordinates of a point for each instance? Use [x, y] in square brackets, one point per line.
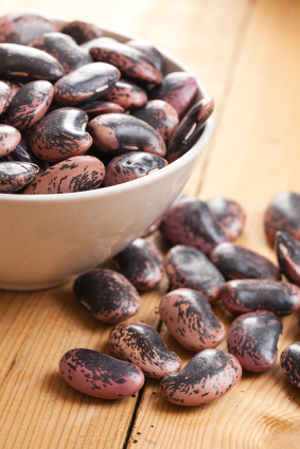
[247, 55]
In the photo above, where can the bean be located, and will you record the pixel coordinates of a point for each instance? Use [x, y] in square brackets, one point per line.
[82, 31]
[208, 376]
[108, 295]
[151, 52]
[9, 139]
[190, 319]
[243, 296]
[60, 135]
[29, 105]
[98, 107]
[100, 375]
[253, 340]
[142, 264]
[22, 153]
[126, 94]
[142, 345]
[71, 175]
[187, 267]
[5, 97]
[94, 42]
[288, 256]
[290, 362]
[133, 165]
[119, 133]
[229, 214]
[16, 175]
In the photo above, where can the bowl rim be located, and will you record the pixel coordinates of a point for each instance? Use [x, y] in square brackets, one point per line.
[136, 183]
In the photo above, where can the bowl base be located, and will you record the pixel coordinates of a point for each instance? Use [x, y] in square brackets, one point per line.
[33, 287]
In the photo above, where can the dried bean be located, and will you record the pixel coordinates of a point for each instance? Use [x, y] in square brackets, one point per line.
[126, 94]
[5, 97]
[98, 107]
[16, 175]
[100, 375]
[290, 362]
[22, 153]
[229, 214]
[142, 345]
[190, 319]
[151, 52]
[9, 138]
[288, 255]
[82, 31]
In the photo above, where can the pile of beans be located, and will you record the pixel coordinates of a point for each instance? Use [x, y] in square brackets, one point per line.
[203, 266]
[79, 110]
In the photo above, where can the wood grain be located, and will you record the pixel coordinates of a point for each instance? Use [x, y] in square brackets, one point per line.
[247, 55]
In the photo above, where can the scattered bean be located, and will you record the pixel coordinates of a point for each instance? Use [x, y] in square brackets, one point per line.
[229, 214]
[81, 31]
[290, 362]
[288, 255]
[16, 175]
[9, 138]
[126, 94]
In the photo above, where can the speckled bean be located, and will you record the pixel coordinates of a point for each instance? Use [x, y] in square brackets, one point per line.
[290, 362]
[253, 339]
[142, 264]
[151, 52]
[108, 295]
[60, 135]
[288, 256]
[100, 375]
[187, 267]
[190, 319]
[208, 376]
[71, 175]
[82, 31]
[127, 94]
[98, 107]
[242, 296]
[142, 345]
[22, 153]
[229, 214]
[16, 175]
[9, 138]
[5, 97]
[120, 133]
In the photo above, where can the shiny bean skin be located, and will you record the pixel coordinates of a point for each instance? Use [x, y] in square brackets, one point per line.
[161, 116]
[23, 25]
[5, 97]
[22, 153]
[63, 48]
[190, 319]
[288, 256]
[98, 107]
[9, 138]
[130, 166]
[142, 264]
[229, 214]
[131, 62]
[119, 133]
[290, 362]
[253, 339]
[208, 375]
[108, 295]
[236, 262]
[29, 105]
[81, 31]
[60, 135]
[176, 88]
[100, 375]
[18, 62]
[151, 52]
[189, 222]
[71, 175]
[16, 175]
[94, 42]
[14, 87]
[249, 295]
[126, 94]
[283, 214]
[186, 267]
[190, 129]
[87, 83]
[142, 345]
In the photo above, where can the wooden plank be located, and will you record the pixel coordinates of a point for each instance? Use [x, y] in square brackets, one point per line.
[255, 154]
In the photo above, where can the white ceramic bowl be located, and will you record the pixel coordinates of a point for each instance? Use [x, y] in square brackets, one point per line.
[47, 240]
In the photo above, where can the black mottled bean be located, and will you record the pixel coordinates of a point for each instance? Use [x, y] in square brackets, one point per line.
[22, 153]
[142, 264]
[98, 107]
[290, 362]
[63, 48]
[108, 295]
[71, 175]
[288, 256]
[16, 175]
[94, 42]
[131, 62]
[229, 214]
[87, 83]
[186, 267]
[253, 339]
[23, 25]
[190, 319]
[18, 62]
[176, 88]
[283, 214]
[81, 31]
[127, 94]
[236, 262]
[243, 296]
[29, 105]
[60, 135]
[130, 166]
[100, 375]
[14, 87]
[142, 345]
[151, 52]
[161, 116]
[190, 129]
[9, 138]
[5, 97]
[209, 375]
[189, 222]
[119, 133]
